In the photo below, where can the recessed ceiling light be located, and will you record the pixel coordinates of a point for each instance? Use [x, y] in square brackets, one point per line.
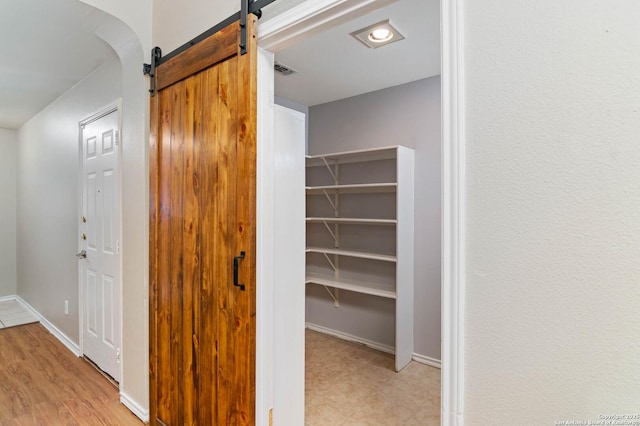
[378, 35]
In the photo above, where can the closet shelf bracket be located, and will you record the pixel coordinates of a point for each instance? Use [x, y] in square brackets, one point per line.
[333, 265]
[333, 204]
[335, 295]
[335, 178]
[335, 239]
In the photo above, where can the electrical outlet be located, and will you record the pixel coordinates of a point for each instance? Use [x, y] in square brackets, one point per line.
[66, 307]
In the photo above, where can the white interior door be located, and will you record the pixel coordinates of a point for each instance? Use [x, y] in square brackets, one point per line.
[100, 239]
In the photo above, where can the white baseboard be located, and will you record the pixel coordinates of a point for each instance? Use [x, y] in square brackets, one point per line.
[422, 359]
[134, 407]
[7, 298]
[351, 338]
[70, 344]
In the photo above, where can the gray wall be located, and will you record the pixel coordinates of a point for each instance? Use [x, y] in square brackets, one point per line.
[408, 115]
[8, 153]
[48, 161]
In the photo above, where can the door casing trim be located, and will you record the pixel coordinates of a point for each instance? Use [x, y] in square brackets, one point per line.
[308, 19]
[453, 211]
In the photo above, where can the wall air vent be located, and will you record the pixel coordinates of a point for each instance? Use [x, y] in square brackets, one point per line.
[283, 69]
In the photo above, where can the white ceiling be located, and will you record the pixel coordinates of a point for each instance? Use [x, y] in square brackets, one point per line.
[334, 65]
[46, 47]
[40, 45]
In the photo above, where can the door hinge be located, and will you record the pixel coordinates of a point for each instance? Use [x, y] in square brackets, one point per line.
[117, 137]
[117, 246]
[118, 356]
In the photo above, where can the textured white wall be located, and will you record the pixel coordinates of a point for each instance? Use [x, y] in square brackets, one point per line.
[134, 385]
[553, 210]
[8, 156]
[407, 115]
[47, 223]
[130, 36]
[135, 14]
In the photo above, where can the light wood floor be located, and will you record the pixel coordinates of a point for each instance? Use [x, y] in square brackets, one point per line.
[43, 383]
[349, 384]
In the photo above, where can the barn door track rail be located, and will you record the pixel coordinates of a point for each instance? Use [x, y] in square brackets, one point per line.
[246, 7]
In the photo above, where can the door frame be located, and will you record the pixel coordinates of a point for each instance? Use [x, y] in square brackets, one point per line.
[310, 18]
[114, 106]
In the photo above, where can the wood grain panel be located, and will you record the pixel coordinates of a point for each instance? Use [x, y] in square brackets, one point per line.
[162, 295]
[244, 333]
[236, 371]
[176, 233]
[208, 357]
[153, 244]
[215, 49]
[227, 249]
[191, 249]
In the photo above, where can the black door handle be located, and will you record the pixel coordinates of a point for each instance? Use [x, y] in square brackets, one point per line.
[235, 270]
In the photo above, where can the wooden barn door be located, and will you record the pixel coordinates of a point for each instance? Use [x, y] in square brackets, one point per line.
[202, 234]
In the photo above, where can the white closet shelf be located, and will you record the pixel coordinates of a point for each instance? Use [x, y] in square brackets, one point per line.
[351, 221]
[363, 188]
[352, 253]
[365, 287]
[385, 178]
[358, 156]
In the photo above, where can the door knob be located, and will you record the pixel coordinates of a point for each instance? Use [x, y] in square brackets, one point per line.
[82, 254]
